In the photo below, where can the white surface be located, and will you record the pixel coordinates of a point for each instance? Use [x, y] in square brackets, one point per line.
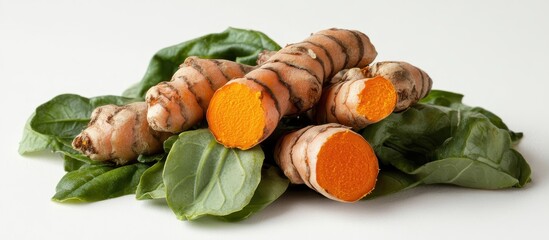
[495, 52]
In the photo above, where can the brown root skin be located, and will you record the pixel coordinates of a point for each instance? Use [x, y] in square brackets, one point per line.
[264, 56]
[290, 81]
[356, 103]
[119, 134]
[347, 75]
[181, 103]
[331, 159]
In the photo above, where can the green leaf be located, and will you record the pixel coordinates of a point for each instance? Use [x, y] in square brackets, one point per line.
[204, 178]
[271, 187]
[70, 164]
[406, 140]
[168, 143]
[464, 172]
[392, 181]
[98, 182]
[63, 116]
[33, 141]
[110, 99]
[232, 44]
[486, 146]
[151, 185]
[443, 98]
[498, 122]
[454, 101]
[151, 158]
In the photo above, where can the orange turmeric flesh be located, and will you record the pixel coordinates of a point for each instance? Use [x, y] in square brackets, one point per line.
[347, 166]
[242, 130]
[377, 100]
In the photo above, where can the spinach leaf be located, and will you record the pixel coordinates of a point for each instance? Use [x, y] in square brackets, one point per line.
[390, 181]
[204, 178]
[445, 141]
[271, 187]
[150, 158]
[71, 164]
[92, 183]
[407, 140]
[483, 155]
[151, 185]
[235, 44]
[33, 141]
[443, 98]
[168, 143]
[454, 101]
[63, 116]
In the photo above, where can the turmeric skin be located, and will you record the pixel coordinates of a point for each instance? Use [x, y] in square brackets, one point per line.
[119, 134]
[356, 103]
[264, 56]
[331, 159]
[177, 105]
[290, 82]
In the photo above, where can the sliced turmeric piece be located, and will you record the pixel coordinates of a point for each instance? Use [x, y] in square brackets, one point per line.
[411, 83]
[119, 134]
[331, 159]
[356, 103]
[181, 103]
[290, 82]
[253, 117]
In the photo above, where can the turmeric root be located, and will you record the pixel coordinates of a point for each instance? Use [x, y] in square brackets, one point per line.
[356, 103]
[246, 110]
[350, 98]
[119, 133]
[411, 83]
[331, 159]
[177, 105]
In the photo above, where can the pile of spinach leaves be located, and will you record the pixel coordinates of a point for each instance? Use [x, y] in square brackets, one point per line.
[439, 140]
[443, 141]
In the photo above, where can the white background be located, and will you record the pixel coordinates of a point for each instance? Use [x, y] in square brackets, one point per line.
[494, 52]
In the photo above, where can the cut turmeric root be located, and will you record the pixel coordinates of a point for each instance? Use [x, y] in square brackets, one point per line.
[411, 83]
[177, 105]
[119, 134]
[246, 110]
[356, 103]
[331, 159]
